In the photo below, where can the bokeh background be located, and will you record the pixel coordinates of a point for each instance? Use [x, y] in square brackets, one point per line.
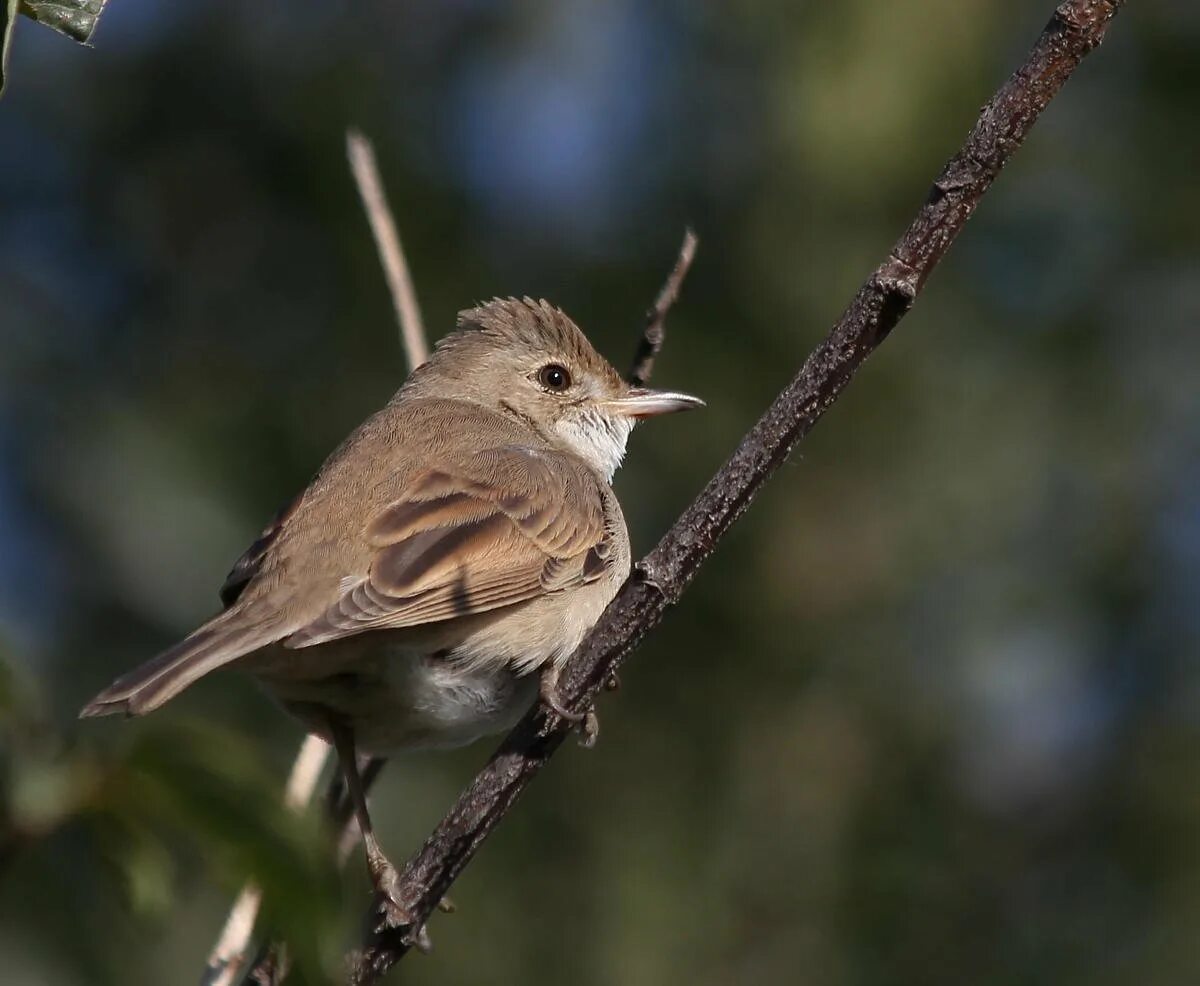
[929, 715]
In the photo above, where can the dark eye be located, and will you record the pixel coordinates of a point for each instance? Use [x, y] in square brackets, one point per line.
[554, 377]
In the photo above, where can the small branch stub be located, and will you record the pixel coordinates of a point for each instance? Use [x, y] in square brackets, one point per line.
[655, 331]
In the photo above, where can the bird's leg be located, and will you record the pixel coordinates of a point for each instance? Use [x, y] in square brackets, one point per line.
[383, 874]
[587, 722]
[338, 804]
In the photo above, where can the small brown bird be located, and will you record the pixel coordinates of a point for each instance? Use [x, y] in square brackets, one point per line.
[463, 538]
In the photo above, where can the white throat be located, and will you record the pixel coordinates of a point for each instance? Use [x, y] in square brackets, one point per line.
[599, 439]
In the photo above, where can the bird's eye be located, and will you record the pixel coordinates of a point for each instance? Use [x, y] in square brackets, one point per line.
[554, 377]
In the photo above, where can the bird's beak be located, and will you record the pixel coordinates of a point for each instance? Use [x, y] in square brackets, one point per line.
[640, 402]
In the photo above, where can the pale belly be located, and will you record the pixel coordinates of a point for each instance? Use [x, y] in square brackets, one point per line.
[441, 685]
[402, 700]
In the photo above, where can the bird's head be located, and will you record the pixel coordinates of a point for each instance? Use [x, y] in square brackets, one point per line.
[527, 359]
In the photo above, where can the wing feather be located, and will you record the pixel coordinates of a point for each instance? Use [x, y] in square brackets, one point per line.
[498, 528]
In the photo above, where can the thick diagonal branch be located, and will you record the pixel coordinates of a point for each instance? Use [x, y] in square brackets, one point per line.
[1076, 28]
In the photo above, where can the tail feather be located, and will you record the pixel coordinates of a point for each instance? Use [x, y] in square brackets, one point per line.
[223, 639]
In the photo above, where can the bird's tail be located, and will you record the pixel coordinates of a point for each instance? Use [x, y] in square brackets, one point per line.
[224, 638]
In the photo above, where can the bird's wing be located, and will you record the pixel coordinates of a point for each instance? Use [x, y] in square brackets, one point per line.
[495, 528]
[247, 566]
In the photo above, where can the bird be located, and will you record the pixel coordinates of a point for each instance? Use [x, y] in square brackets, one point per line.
[450, 555]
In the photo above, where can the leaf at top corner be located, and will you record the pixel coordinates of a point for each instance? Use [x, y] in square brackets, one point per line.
[74, 18]
[8, 17]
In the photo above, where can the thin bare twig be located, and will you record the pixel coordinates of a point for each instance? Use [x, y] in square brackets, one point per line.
[232, 947]
[1076, 28]
[230, 951]
[387, 242]
[653, 334]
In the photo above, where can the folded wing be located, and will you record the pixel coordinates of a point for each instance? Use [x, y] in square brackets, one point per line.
[496, 528]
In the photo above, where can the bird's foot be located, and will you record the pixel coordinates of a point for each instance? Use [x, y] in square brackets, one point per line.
[589, 729]
[588, 723]
[393, 912]
[394, 915]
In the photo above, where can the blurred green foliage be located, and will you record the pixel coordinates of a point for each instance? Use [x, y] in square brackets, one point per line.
[179, 789]
[928, 715]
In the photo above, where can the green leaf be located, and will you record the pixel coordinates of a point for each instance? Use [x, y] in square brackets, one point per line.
[8, 17]
[75, 18]
[208, 784]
